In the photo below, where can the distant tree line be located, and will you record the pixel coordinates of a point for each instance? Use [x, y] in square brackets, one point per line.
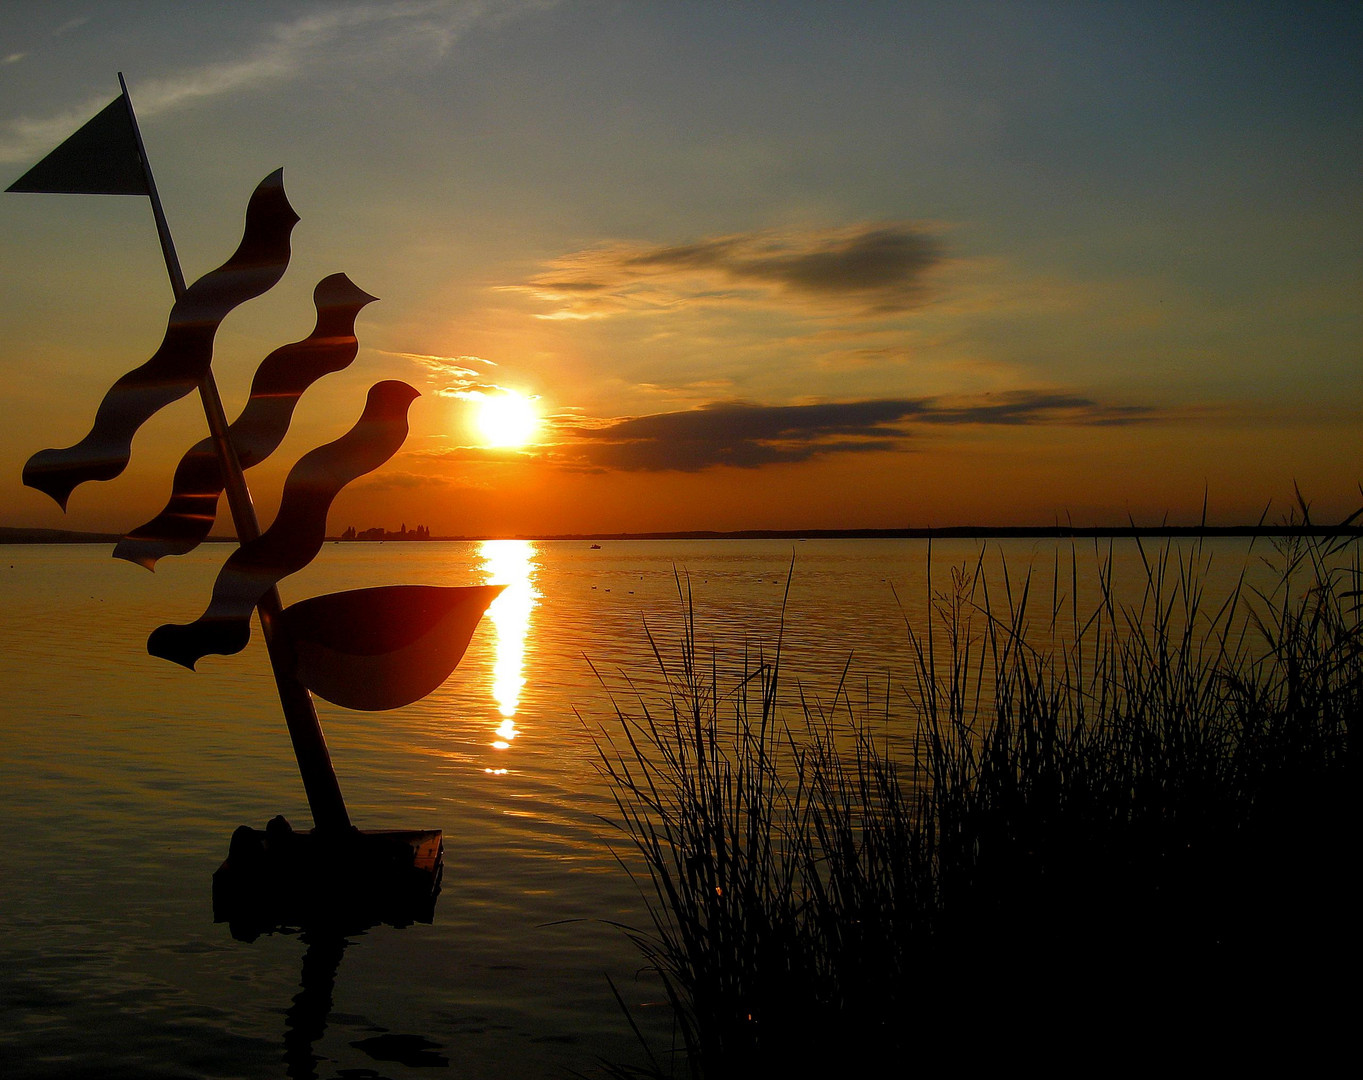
[421, 532]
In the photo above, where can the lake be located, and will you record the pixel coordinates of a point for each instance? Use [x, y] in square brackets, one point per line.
[122, 778]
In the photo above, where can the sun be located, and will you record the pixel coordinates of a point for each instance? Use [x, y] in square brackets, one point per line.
[506, 418]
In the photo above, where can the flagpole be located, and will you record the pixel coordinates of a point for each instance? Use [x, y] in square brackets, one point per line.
[300, 713]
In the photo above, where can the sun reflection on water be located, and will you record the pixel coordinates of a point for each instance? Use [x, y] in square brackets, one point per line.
[511, 563]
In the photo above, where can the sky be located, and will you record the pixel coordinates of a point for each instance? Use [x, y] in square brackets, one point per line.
[757, 265]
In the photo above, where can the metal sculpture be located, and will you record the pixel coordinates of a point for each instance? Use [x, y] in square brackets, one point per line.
[367, 649]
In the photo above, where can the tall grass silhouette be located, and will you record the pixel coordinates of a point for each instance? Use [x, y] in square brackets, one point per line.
[1126, 824]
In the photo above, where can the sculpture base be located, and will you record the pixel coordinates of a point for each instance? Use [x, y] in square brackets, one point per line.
[345, 881]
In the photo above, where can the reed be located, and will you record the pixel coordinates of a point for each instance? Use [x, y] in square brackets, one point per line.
[1130, 821]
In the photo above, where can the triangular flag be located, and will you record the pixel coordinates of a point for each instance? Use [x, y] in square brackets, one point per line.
[99, 159]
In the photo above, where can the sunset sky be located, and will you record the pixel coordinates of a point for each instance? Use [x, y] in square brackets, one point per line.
[758, 265]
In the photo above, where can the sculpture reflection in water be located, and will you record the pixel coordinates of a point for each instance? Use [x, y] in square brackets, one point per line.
[368, 649]
[307, 1017]
[305, 1022]
[325, 941]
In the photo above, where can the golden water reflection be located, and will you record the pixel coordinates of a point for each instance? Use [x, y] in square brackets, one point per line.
[512, 563]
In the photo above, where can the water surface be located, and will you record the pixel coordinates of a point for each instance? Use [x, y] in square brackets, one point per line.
[123, 776]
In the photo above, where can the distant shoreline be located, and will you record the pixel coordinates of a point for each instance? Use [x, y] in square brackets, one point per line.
[11, 535]
[963, 532]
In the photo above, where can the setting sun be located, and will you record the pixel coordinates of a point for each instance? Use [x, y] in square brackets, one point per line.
[506, 419]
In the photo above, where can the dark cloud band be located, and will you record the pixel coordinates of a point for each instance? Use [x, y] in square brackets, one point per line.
[749, 436]
[876, 268]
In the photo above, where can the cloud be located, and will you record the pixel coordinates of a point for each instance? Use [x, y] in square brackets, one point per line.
[393, 480]
[288, 47]
[691, 388]
[452, 376]
[444, 365]
[332, 34]
[749, 436]
[496, 454]
[871, 268]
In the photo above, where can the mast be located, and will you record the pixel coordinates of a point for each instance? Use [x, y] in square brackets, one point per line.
[300, 714]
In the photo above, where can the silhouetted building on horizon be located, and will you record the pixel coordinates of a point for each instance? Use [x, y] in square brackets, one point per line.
[421, 532]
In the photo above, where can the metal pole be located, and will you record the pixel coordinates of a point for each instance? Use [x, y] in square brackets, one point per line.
[300, 714]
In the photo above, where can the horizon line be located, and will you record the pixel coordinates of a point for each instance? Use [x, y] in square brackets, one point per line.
[27, 535]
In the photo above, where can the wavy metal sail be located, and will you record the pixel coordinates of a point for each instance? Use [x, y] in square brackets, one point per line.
[186, 352]
[279, 382]
[298, 531]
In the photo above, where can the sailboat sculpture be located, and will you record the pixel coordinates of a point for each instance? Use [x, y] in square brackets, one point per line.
[370, 649]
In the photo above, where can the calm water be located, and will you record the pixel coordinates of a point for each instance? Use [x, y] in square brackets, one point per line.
[122, 778]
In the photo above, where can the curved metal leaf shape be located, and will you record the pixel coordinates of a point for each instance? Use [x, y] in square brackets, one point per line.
[297, 533]
[257, 432]
[383, 648]
[186, 351]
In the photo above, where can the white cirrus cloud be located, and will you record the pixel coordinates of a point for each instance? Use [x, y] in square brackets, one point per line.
[339, 33]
